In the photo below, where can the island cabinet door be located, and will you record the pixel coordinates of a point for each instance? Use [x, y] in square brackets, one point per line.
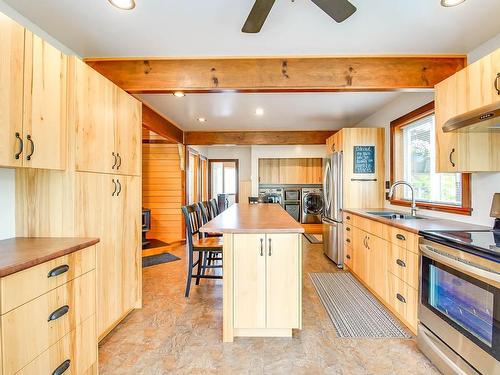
[283, 281]
[249, 275]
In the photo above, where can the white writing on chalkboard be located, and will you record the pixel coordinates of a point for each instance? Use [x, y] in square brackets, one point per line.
[364, 159]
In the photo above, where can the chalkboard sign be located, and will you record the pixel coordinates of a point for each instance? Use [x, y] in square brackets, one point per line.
[364, 159]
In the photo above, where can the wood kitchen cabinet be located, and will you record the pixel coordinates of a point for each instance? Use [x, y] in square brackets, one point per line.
[107, 207]
[33, 105]
[291, 171]
[108, 124]
[269, 171]
[467, 90]
[267, 294]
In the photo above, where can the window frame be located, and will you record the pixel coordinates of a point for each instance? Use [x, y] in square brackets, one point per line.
[395, 129]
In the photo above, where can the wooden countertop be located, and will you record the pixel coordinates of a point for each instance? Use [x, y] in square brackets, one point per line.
[415, 225]
[253, 218]
[19, 253]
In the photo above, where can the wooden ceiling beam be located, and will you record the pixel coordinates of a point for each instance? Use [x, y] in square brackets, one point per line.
[258, 138]
[300, 74]
[158, 124]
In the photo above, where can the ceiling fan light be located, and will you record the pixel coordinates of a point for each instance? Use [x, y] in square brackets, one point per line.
[451, 3]
[123, 4]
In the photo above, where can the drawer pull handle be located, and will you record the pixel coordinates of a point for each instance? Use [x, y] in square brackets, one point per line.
[348, 229]
[270, 248]
[348, 256]
[58, 271]
[400, 263]
[261, 247]
[400, 297]
[61, 311]
[348, 217]
[61, 369]
[347, 240]
[400, 237]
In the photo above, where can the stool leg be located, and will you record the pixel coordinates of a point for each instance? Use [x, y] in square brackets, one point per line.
[189, 273]
[201, 260]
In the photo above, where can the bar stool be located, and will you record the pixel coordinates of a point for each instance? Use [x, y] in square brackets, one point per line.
[212, 256]
[214, 207]
[253, 200]
[204, 246]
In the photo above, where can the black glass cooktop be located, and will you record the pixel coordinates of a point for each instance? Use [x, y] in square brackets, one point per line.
[487, 241]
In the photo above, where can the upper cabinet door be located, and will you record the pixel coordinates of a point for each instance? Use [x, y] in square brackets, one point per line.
[128, 125]
[45, 93]
[94, 120]
[482, 81]
[11, 91]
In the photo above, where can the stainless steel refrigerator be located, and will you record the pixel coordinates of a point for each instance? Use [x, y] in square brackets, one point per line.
[333, 230]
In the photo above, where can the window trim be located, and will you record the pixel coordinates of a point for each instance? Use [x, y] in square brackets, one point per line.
[396, 125]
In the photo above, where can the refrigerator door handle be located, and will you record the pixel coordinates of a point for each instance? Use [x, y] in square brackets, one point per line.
[327, 188]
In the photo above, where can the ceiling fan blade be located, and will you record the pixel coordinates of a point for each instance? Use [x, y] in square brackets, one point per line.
[339, 10]
[257, 16]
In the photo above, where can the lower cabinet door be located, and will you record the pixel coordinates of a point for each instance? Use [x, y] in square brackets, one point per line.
[249, 281]
[283, 281]
[377, 268]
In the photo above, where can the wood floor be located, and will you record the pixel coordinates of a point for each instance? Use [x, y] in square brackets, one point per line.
[175, 335]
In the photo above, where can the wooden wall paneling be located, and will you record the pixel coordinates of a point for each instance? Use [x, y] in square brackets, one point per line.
[163, 191]
[373, 73]
[257, 138]
[45, 104]
[157, 123]
[204, 178]
[11, 94]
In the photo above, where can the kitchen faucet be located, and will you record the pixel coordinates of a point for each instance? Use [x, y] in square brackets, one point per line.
[413, 203]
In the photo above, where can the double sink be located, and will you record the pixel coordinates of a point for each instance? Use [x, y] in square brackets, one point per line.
[393, 215]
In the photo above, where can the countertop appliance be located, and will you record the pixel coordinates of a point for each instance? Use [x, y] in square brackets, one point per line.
[459, 309]
[332, 213]
[271, 195]
[312, 205]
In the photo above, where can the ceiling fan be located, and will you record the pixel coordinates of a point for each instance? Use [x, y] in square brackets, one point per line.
[339, 10]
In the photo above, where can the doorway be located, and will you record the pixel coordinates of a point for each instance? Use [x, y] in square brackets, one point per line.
[223, 176]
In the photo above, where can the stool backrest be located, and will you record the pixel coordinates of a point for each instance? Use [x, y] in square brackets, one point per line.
[205, 214]
[214, 207]
[193, 222]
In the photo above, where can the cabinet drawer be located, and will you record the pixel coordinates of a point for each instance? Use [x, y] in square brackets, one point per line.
[348, 231]
[348, 254]
[77, 351]
[370, 226]
[403, 264]
[402, 238]
[33, 327]
[403, 299]
[24, 286]
[348, 218]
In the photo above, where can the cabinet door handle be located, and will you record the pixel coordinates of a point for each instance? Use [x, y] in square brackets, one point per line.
[119, 187]
[347, 240]
[58, 271]
[348, 229]
[348, 217]
[348, 256]
[61, 311]
[115, 160]
[400, 297]
[261, 247]
[364, 241]
[28, 157]
[400, 263]
[119, 161]
[21, 146]
[116, 187]
[61, 369]
[451, 157]
[400, 237]
[270, 248]
[368, 242]
[497, 83]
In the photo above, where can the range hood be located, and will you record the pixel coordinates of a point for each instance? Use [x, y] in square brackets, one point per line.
[482, 120]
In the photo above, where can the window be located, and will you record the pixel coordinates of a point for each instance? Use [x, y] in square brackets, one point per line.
[224, 178]
[413, 156]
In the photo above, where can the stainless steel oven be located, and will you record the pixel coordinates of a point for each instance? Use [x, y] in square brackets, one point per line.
[459, 311]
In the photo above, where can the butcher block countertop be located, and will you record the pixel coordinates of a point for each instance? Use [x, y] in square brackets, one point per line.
[415, 225]
[253, 218]
[20, 253]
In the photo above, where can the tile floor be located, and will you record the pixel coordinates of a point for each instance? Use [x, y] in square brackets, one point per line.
[175, 335]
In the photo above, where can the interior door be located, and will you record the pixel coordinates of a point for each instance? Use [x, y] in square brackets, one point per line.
[283, 280]
[94, 118]
[44, 122]
[11, 91]
[249, 280]
[128, 127]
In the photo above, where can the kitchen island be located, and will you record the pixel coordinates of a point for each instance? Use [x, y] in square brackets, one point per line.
[262, 270]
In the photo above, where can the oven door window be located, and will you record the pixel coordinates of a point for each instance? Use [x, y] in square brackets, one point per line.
[469, 305]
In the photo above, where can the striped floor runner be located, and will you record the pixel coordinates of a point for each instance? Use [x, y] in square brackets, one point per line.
[353, 310]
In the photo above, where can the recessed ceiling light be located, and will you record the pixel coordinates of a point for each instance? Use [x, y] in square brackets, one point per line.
[123, 4]
[179, 94]
[259, 111]
[451, 3]
[202, 119]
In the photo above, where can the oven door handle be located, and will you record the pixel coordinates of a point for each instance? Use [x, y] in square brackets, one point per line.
[475, 270]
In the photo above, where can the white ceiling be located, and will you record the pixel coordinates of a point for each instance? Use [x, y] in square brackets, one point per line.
[282, 111]
[93, 28]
